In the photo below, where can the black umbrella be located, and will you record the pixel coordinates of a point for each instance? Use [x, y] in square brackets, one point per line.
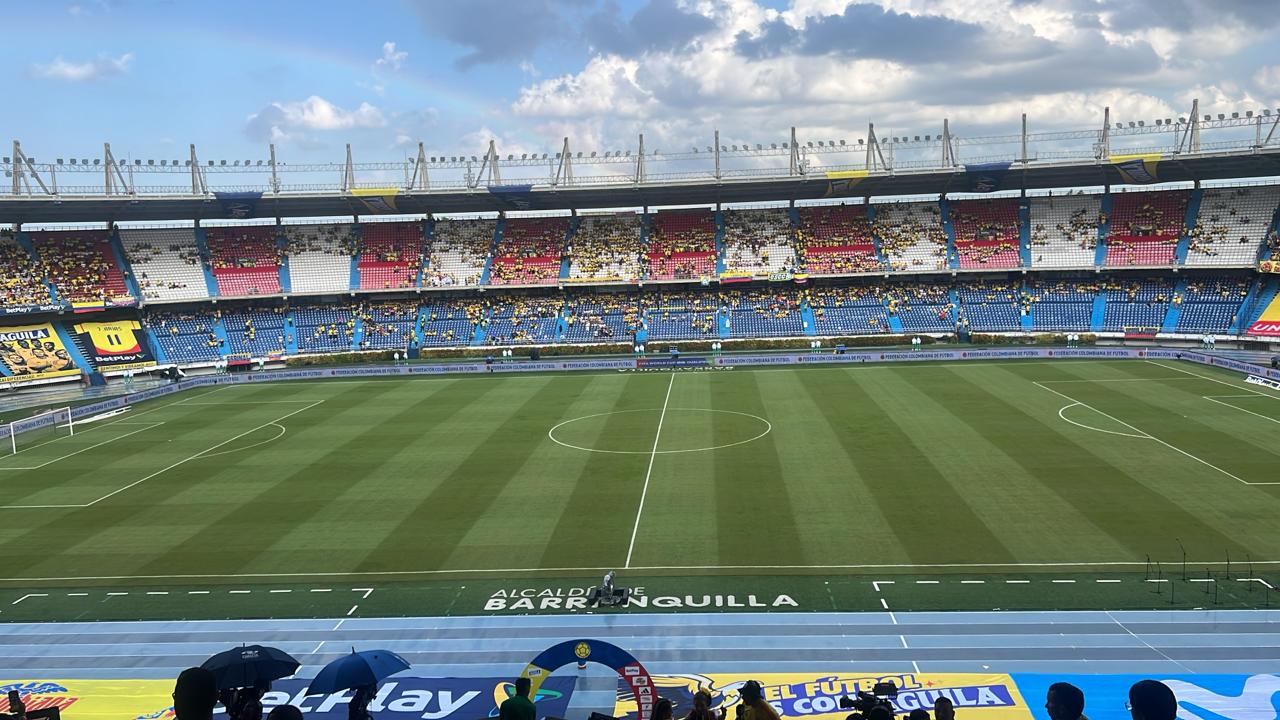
[249, 665]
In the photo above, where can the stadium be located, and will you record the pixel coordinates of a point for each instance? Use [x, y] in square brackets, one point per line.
[751, 425]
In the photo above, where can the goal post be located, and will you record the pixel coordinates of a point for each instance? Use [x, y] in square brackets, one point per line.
[38, 429]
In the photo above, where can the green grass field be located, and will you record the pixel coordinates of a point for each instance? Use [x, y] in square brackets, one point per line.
[967, 485]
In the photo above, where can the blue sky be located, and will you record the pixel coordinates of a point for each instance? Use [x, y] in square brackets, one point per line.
[231, 76]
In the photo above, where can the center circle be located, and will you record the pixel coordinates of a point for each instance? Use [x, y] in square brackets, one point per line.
[703, 429]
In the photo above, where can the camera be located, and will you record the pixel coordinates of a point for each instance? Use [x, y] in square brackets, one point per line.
[881, 695]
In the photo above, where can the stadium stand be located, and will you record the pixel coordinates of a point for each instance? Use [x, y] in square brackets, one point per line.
[21, 279]
[1064, 231]
[836, 240]
[1233, 224]
[1062, 304]
[911, 235]
[388, 325]
[166, 263]
[1145, 227]
[682, 245]
[519, 320]
[987, 233]
[254, 332]
[458, 252]
[758, 242]
[606, 248]
[529, 252]
[922, 308]
[244, 260]
[1211, 305]
[763, 313]
[81, 266]
[185, 338]
[450, 322]
[320, 257]
[323, 328]
[990, 306]
[1137, 306]
[681, 316]
[849, 310]
[601, 318]
[390, 255]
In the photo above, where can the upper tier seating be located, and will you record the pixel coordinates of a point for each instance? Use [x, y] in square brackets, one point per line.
[911, 235]
[185, 337]
[849, 310]
[987, 233]
[1145, 227]
[1232, 225]
[529, 252]
[81, 265]
[320, 257]
[601, 318]
[837, 240]
[166, 263]
[390, 255]
[1064, 231]
[21, 278]
[758, 242]
[606, 247]
[459, 249]
[451, 322]
[682, 245]
[245, 260]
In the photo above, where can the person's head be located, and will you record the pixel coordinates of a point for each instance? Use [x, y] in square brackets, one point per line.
[1064, 702]
[194, 694]
[879, 712]
[943, 709]
[522, 687]
[702, 700]
[662, 709]
[751, 692]
[285, 712]
[1152, 700]
[918, 714]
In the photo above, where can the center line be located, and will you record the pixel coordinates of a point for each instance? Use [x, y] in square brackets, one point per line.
[653, 454]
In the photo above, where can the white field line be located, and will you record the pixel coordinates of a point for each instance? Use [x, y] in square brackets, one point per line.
[653, 455]
[1149, 436]
[1231, 385]
[1236, 407]
[1065, 408]
[1144, 642]
[638, 568]
[146, 426]
[200, 454]
[1116, 380]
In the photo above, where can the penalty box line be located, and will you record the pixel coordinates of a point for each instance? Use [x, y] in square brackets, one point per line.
[1146, 435]
[144, 426]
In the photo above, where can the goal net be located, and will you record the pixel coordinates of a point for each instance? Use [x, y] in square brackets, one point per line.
[38, 429]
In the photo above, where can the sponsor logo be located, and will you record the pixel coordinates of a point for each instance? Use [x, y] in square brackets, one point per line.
[575, 598]
[37, 695]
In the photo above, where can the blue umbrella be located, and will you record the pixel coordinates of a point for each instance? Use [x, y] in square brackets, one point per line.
[358, 669]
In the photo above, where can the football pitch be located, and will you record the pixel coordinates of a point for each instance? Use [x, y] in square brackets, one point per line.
[1019, 484]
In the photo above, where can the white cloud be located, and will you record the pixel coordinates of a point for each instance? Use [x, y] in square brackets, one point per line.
[391, 58]
[89, 70]
[280, 121]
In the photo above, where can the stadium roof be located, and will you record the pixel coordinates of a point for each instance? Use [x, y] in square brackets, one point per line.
[590, 194]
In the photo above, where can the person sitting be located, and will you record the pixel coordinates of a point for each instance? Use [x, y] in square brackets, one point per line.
[194, 695]
[1152, 700]
[1065, 701]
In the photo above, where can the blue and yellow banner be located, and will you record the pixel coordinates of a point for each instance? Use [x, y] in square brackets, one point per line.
[1138, 169]
[379, 201]
[986, 177]
[34, 352]
[841, 183]
[238, 205]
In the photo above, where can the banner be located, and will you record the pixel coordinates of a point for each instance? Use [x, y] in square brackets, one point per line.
[1269, 266]
[842, 183]
[986, 177]
[1137, 169]
[34, 352]
[238, 205]
[115, 345]
[515, 197]
[1268, 323]
[1200, 697]
[817, 695]
[15, 310]
[379, 201]
[402, 698]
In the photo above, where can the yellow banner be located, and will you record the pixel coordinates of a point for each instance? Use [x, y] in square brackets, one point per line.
[976, 696]
[1138, 169]
[381, 201]
[842, 182]
[846, 174]
[95, 699]
[34, 352]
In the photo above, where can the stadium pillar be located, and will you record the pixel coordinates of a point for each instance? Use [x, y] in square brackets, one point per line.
[1024, 141]
[716, 149]
[275, 181]
[1104, 140]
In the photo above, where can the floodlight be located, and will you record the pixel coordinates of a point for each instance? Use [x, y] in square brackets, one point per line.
[593, 153]
[606, 153]
[96, 161]
[819, 143]
[1158, 122]
[628, 153]
[928, 137]
[841, 143]
[810, 143]
[1141, 123]
[735, 147]
[1167, 121]
[136, 163]
[1248, 113]
[151, 162]
[473, 159]
[860, 141]
[544, 156]
[559, 156]
[709, 149]
[524, 156]
[163, 163]
[6, 159]
[210, 163]
[511, 157]
[223, 162]
[73, 160]
[1132, 123]
[1267, 112]
[832, 143]
[759, 146]
[260, 163]
[1222, 116]
[1235, 116]
[724, 148]
[1181, 120]
[1207, 118]
[235, 163]
[784, 146]
[1120, 126]
[773, 146]
[186, 164]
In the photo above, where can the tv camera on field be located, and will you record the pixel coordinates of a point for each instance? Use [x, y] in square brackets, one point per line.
[606, 594]
[881, 695]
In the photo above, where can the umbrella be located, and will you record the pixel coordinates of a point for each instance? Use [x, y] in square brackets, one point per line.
[248, 665]
[357, 670]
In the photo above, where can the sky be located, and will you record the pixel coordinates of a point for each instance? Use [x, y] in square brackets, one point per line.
[231, 76]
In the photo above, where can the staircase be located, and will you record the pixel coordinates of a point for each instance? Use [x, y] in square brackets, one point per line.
[130, 282]
[1099, 312]
[566, 262]
[1189, 222]
[479, 337]
[1261, 301]
[806, 315]
[953, 259]
[210, 281]
[895, 322]
[353, 282]
[220, 332]
[1024, 232]
[428, 229]
[1175, 309]
[75, 349]
[875, 239]
[286, 285]
[493, 249]
[1104, 229]
[290, 335]
[720, 264]
[1028, 320]
[1241, 314]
